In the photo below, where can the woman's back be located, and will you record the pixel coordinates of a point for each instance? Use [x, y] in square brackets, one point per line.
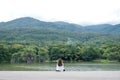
[60, 65]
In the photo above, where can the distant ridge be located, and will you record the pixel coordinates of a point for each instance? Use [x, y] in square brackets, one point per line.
[59, 25]
[32, 22]
[27, 29]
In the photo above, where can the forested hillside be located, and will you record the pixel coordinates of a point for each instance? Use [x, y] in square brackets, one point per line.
[30, 29]
[30, 40]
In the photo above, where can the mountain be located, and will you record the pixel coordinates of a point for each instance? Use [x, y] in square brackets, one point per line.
[21, 22]
[101, 28]
[28, 29]
[31, 22]
[114, 29]
[59, 25]
[68, 26]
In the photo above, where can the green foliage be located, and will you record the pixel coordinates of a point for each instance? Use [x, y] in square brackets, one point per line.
[43, 55]
[29, 40]
[89, 54]
[5, 56]
[22, 53]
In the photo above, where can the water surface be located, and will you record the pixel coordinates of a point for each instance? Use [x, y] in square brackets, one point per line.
[68, 67]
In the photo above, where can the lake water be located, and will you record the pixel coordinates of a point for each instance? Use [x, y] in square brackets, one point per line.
[68, 67]
[73, 66]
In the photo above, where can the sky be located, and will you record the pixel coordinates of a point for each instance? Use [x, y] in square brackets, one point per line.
[82, 12]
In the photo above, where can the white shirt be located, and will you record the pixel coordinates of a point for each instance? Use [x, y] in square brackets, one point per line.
[60, 68]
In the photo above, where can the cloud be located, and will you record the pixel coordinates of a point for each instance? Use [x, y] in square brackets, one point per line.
[76, 11]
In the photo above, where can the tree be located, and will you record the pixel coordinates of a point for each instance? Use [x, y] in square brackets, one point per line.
[43, 55]
[89, 54]
[5, 56]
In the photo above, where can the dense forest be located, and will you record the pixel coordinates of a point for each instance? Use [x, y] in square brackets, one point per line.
[27, 40]
[27, 53]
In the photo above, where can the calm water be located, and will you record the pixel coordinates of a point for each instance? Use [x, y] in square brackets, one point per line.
[68, 67]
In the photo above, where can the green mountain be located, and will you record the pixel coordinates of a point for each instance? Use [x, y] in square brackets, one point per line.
[31, 22]
[28, 29]
[104, 28]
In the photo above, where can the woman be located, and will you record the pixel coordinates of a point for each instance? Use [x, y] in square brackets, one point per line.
[60, 65]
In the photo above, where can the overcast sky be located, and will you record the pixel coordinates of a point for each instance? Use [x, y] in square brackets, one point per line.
[76, 11]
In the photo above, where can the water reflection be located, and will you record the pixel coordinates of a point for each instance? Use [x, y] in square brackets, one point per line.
[75, 67]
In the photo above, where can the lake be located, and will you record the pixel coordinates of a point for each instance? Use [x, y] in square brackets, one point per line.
[68, 66]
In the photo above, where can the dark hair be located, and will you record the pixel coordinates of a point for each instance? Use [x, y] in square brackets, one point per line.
[60, 62]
